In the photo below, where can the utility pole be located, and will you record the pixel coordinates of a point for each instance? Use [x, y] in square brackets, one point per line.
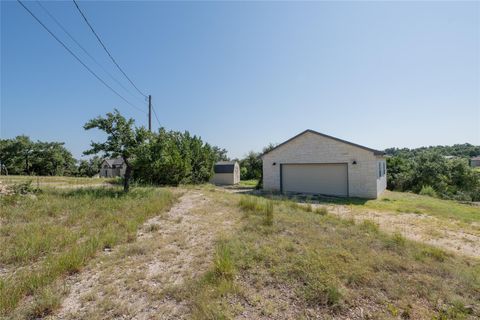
[150, 113]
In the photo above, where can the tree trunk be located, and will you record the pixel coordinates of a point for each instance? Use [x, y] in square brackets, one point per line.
[126, 178]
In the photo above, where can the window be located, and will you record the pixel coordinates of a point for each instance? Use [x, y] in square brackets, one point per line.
[379, 169]
[384, 168]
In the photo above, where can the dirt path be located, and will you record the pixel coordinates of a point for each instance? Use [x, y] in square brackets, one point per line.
[419, 227]
[136, 281]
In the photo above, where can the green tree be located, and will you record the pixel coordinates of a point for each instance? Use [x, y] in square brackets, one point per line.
[173, 157]
[23, 156]
[89, 168]
[123, 140]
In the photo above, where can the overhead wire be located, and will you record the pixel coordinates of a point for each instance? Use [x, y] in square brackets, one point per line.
[105, 48]
[76, 57]
[83, 48]
[156, 117]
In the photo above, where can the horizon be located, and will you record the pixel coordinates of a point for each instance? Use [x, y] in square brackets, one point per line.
[243, 75]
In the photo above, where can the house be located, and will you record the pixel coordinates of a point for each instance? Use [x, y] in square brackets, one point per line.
[112, 168]
[475, 162]
[226, 173]
[315, 163]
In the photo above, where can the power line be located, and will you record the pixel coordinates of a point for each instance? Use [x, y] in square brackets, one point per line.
[155, 114]
[83, 49]
[77, 58]
[105, 48]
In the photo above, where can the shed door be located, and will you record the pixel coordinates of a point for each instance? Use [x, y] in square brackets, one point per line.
[324, 178]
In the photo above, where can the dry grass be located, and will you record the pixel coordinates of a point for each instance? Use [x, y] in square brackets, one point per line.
[308, 265]
[45, 181]
[57, 232]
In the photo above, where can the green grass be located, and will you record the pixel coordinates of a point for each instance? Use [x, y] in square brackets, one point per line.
[403, 202]
[47, 237]
[334, 265]
[248, 183]
[409, 202]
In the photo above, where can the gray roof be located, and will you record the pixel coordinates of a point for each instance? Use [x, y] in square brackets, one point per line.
[224, 167]
[475, 158]
[375, 152]
[114, 161]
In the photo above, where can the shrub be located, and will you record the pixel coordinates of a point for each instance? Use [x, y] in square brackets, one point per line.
[268, 211]
[224, 267]
[428, 191]
[321, 211]
[435, 253]
[396, 241]
[370, 226]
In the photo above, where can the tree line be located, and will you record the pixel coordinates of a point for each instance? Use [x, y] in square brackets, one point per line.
[172, 158]
[441, 171]
[163, 157]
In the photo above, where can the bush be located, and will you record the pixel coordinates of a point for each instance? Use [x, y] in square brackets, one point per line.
[259, 206]
[428, 191]
[321, 211]
[224, 266]
[268, 210]
[173, 158]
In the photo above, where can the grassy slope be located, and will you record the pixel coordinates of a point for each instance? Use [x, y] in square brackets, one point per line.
[58, 232]
[331, 266]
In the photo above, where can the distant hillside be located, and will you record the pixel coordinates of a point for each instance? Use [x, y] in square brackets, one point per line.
[465, 150]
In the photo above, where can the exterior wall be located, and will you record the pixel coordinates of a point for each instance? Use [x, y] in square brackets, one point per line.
[381, 179]
[312, 148]
[223, 178]
[475, 163]
[111, 172]
[236, 173]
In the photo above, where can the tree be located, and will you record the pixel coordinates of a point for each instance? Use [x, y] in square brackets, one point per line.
[23, 156]
[89, 168]
[173, 157]
[220, 154]
[123, 140]
[253, 166]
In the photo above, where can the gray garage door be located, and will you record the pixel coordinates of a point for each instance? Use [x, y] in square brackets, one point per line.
[325, 178]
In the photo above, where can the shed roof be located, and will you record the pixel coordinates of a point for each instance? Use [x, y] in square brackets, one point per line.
[114, 161]
[224, 167]
[375, 152]
[475, 158]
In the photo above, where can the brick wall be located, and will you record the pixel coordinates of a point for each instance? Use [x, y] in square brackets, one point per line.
[312, 148]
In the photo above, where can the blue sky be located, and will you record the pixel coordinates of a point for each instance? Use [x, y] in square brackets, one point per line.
[242, 75]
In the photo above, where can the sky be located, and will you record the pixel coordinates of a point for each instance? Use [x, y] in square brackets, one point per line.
[244, 74]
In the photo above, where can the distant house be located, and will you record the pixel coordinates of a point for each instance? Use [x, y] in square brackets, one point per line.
[226, 173]
[475, 162]
[112, 168]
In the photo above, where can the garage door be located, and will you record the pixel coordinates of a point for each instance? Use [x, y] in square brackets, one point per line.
[325, 178]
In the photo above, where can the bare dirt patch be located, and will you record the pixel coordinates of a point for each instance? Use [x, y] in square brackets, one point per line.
[418, 227]
[137, 281]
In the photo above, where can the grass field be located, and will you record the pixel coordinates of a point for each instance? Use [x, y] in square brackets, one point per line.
[248, 183]
[54, 233]
[280, 259]
[403, 202]
[56, 180]
[291, 261]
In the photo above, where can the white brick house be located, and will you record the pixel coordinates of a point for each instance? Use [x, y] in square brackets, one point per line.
[312, 162]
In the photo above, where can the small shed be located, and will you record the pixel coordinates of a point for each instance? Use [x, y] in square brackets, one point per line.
[475, 162]
[226, 173]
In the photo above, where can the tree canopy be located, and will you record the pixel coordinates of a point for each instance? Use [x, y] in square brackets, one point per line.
[21, 155]
[123, 140]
